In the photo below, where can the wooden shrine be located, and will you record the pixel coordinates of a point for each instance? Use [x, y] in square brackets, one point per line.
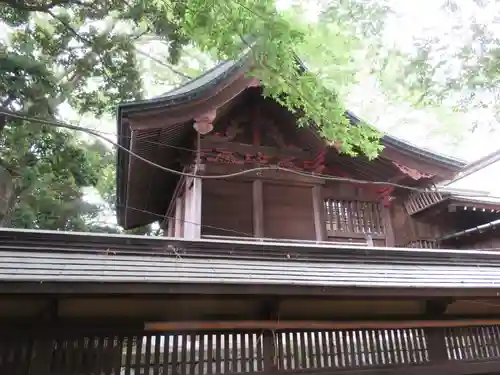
[313, 262]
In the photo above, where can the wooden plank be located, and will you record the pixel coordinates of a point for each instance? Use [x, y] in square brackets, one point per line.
[387, 226]
[266, 175]
[258, 209]
[443, 368]
[308, 324]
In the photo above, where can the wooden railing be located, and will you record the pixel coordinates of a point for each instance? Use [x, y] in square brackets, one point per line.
[354, 221]
[224, 352]
[419, 201]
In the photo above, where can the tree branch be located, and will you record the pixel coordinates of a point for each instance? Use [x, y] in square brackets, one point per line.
[34, 6]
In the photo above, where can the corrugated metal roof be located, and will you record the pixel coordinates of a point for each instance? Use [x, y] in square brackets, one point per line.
[36, 266]
[51, 256]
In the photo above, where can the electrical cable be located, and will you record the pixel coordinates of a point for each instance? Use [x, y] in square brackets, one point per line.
[187, 221]
[230, 175]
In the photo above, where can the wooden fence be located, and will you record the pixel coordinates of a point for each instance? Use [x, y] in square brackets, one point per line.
[207, 353]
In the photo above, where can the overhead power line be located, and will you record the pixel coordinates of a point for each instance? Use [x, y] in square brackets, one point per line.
[322, 177]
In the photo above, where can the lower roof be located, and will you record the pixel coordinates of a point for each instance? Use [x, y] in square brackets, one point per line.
[44, 256]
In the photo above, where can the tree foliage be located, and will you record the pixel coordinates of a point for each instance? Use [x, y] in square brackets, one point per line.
[87, 53]
[458, 67]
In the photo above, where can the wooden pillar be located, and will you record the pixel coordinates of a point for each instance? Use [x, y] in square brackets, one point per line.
[269, 351]
[178, 224]
[436, 344]
[188, 220]
[42, 355]
[192, 208]
[258, 209]
[196, 208]
[318, 210]
[270, 310]
[387, 222]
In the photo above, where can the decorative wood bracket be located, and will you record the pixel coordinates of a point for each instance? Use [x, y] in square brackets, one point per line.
[203, 124]
[413, 173]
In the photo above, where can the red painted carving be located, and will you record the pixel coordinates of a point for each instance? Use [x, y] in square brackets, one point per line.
[227, 157]
[413, 173]
[318, 164]
[385, 195]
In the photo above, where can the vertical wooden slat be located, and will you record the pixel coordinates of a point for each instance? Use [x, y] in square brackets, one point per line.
[311, 362]
[343, 342]
[297, 359]
[218, 353]
[288, 346]
[259, 352]
[325, 348]
[193, 350]
[97, 349]
[353, 349]
[251, 352]
[227, 360]
[128, 357]
[138, 354]
[210, 353]
[147, 355]
[318, 349]
[365, 347]
[168, 341]
[184, 356]
[175, 353]
[303, 350]
[398, 347]
[201, 354]
[234, 354]
[157, 340]
[280, 350]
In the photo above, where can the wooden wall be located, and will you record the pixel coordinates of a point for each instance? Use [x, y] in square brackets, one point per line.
[227, 204]
[288, 211]
[293, 210]
[419, 228]
[488, 240]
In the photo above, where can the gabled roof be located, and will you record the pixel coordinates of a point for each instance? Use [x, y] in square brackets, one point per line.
[227, 78]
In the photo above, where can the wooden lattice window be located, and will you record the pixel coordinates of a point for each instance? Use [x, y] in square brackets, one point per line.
[344, 216]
